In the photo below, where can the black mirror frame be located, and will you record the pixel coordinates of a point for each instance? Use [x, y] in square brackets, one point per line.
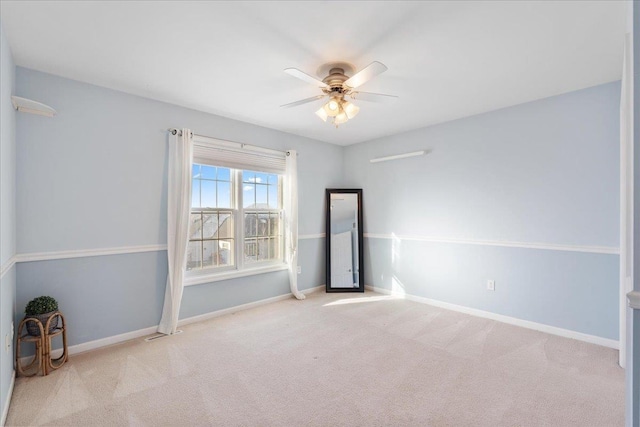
[328, 193]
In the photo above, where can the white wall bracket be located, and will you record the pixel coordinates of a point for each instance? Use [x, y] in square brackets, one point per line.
[398, 156]
[28, 106]
[634, 299]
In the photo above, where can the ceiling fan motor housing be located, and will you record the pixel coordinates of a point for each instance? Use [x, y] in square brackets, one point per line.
[335, 80]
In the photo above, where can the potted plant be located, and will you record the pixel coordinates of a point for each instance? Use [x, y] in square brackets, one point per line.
[41, 308]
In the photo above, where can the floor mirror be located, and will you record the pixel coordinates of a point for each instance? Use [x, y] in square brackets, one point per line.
[344, 240]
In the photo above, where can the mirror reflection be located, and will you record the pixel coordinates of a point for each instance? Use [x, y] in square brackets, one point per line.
[344, 241]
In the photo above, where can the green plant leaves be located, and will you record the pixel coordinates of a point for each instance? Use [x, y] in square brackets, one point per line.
[41, 305]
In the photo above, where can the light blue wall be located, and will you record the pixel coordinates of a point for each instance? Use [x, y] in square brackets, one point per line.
[100, 165]
[542, 172]
[545, 171]
[7, 153]
[94, 176]
[100, 296]
[7, 314]
[7, 210]
[558, 288]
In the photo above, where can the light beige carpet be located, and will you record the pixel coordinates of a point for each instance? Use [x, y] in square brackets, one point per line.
[334, 360]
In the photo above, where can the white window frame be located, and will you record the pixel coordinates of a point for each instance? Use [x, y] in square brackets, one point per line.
[240, 269]
[241, 212]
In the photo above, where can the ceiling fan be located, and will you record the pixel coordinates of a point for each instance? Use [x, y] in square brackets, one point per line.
[336, 86]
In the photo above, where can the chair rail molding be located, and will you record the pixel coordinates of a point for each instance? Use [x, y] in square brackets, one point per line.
[311, 236]
[82, 253]
[7, 266]
[613, 250]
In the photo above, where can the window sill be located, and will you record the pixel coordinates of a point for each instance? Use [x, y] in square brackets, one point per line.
[233, 274]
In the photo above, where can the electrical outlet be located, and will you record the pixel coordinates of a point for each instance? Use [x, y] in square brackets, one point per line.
[8, 339]
[299, 269]
[491, 285]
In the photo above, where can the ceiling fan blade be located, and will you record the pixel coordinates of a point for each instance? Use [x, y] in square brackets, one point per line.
[303, 101]
[305, 77]
[366, 74]
[373, 97]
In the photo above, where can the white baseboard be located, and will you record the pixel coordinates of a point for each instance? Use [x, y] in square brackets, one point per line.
[99, 343]
[115, 339]
[504, 319]
[242, 307]
[7, 402]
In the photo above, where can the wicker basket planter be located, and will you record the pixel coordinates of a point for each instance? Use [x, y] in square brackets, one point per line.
[32, 327]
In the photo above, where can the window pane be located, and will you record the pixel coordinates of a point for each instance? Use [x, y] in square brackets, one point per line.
[248, 195]
[248, 176]
[225, 252]
[209, 225]
[209, 253]
[274, 224]
[208, 194]
[261, 196]
[224, 194]
[261, 178]
[274, 248]
[194, 255]
[208, 172]
[224, 174]
[195, 193]
[273, 197]
[263, 224]
[250, 250]
[250, 225]
[195, 227]
[273, 179]
[225, 225]
[263, 249]
[195, 171]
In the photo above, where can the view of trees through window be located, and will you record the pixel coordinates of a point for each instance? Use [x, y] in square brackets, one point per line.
[218, 202]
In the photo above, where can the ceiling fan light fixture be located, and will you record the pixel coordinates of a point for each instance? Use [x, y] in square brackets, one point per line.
[332, 108]
[322, 114]
[350, 110]
[340, 118]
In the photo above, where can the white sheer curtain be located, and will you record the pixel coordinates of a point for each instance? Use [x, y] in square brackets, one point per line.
[291, 220]
[178, 209]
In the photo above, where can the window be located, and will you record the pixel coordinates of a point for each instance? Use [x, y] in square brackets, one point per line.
[236, 219]
[262, 205]
[211, 230]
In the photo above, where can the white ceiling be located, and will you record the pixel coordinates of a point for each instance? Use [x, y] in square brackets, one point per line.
[446, 59]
